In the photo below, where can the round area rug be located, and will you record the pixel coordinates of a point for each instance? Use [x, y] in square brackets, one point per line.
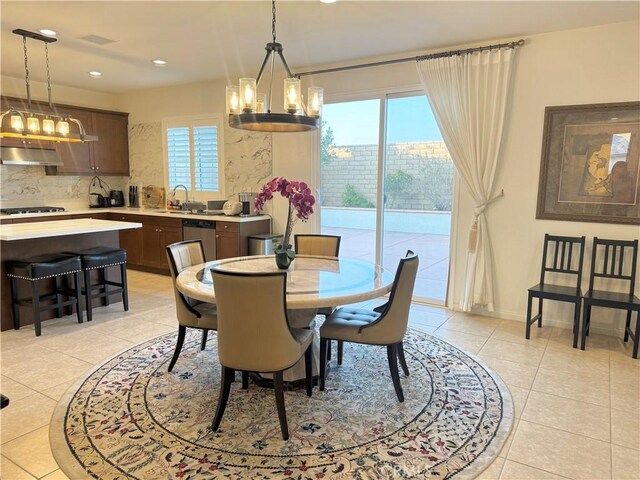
[131, 419]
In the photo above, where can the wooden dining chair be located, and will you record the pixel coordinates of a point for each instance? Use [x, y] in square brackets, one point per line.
[191, 313]
[613, 260]
[372, 327]
[254, 336]
[562, 257]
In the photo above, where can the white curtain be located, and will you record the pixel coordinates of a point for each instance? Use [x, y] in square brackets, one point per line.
[468, 95]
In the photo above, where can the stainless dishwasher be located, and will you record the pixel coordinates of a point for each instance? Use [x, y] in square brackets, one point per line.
[204, 230]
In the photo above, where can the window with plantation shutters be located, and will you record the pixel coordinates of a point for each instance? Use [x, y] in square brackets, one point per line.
[193, 154]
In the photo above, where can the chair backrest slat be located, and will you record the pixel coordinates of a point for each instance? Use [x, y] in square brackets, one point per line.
[608, 261]
[563, 257]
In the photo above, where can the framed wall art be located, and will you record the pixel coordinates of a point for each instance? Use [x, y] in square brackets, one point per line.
[590, 168]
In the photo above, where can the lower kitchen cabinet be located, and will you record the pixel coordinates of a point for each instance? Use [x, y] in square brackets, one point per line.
[156, 236]
[232, 238]
[130, 240]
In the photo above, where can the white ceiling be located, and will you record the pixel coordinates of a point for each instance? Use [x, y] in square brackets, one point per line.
[204, 40]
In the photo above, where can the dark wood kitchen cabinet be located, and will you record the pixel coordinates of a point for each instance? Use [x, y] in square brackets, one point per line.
[232, 238]
[130, 240]
[157, 234]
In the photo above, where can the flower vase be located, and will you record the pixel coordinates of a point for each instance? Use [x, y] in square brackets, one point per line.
[284, 258]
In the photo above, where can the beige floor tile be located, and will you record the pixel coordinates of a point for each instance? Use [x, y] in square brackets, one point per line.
[569, 415]
[576, 362]
[465, 341]
[492, 472]
[625, 429]
[519, 396]
[25, 415]
[55, 393]
[11, 471]
[14, 390]
[561, 453]
[568, 385]
[625, 397]
[32, 452]
[626, 463]
[527, 354]
[423, 328]
[135, 330]
[625, 372]
[512, 373]
[476, 325]
[518, 471]
[56, 475]
[429, 316]
[597, 344]
[512, 331]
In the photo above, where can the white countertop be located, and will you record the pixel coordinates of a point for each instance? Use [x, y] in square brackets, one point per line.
[141, 211]
[58, 228]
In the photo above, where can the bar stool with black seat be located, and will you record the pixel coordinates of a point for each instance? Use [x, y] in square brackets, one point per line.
[613, 261]
[34, 270]
[102, 258]
[562, 257]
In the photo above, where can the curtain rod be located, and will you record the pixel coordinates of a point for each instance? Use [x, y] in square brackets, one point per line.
[450, 53]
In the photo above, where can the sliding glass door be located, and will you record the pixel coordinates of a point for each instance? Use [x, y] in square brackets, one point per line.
[386, 186]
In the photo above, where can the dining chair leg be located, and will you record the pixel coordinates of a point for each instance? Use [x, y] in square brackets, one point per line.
[403, 361]
[245, 380]
[308, 368]
[78, 290]
[392, 356]
[182, 330]
[627, 326]
[225, 388]
[528, 327]
[203, 342]
[323, 361]
[576, 323]
[636, 336]
[15, 306]
[586, 314]
[278, 387]
[540, 312]
[328, 350]
[340, 351]
[125, 287]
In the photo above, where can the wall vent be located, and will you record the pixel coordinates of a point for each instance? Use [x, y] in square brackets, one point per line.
[97, 39]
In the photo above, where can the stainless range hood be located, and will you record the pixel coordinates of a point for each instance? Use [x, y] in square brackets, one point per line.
[29, 156]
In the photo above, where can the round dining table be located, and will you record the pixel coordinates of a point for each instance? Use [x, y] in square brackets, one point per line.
[312, 282]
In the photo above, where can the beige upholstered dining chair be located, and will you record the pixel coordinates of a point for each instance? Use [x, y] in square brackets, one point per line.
[323, 246]
[190, 312]
[254, 336]
[383, 326]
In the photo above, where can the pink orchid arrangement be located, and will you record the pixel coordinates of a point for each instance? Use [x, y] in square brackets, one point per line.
[301, 202]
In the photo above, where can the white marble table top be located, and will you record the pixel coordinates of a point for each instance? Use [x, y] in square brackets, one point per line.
[56, 228]
[312, 282]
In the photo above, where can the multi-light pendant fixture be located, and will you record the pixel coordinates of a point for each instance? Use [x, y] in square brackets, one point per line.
[31, 124]
[249, 110]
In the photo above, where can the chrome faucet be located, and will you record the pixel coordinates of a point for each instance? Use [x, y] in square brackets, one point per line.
[186, 193]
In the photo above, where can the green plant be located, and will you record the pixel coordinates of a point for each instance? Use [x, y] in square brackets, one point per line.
[436, 181]
[353, 198]
[397, 184]
[327, 144]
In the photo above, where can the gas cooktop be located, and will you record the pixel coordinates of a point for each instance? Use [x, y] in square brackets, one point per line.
[18, 210]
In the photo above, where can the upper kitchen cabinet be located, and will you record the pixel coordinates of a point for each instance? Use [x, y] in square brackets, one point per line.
[108, 156]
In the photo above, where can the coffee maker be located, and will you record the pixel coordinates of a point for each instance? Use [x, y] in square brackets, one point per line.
[116, 198]
[248, 206]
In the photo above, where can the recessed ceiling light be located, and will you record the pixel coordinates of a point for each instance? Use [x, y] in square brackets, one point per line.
[159, 63]
[47, 32]
[328, 1]
[95, 74]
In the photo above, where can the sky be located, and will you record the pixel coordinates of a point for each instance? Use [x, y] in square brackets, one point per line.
[357, 123]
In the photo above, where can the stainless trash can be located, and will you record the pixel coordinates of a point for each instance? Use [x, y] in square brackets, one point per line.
[264, 243]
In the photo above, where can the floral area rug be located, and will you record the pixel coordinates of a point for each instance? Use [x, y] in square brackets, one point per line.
[131, 419]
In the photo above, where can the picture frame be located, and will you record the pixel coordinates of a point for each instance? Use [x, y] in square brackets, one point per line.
[590, 166]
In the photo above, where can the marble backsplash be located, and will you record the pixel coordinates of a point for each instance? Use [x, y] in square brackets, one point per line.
[247, 155]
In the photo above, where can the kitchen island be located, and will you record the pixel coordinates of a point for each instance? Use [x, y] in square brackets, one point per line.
[27, 240]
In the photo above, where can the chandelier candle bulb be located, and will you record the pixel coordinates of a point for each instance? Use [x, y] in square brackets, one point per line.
[33, 124]
[314, 98]
[16, 123]
[291, 94]
[48, 126]
[248, 94]
[233, 99]
[62, 127]
[261, 103]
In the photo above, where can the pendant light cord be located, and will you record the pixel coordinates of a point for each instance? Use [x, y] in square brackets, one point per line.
[273, 21]
[46, 56]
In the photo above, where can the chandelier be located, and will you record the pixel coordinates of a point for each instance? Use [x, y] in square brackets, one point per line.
[249, 110]
[32, 124]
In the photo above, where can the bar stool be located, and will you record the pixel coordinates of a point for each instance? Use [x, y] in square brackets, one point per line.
[101, 258]
[55, 266]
